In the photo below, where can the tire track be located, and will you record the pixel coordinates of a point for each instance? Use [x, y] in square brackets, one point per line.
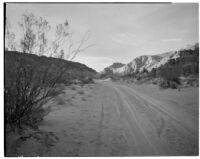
[99, 134]
[157, 107]
[143, 145]
[173, 134]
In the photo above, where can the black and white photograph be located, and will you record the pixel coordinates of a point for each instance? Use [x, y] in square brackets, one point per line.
[101, 79]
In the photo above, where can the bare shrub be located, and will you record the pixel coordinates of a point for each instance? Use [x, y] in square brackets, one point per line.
[87, 80]
[81, 92]
[154, 81]
[163, 84]
[73, 88]
[69, 100]
[26, 94]
[173, 83]
[73, 97]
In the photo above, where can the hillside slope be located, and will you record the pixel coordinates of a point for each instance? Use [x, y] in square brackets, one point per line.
[74, 70]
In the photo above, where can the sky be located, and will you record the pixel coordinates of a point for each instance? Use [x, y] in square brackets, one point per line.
[119, 32]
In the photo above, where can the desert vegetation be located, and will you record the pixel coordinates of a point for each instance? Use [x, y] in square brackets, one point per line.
[26, 94]
[32, 78]
[31, 81]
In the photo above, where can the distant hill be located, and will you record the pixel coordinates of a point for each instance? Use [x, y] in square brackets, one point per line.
[149, 62]
[113, 68]
[74, 70]
[116, 65]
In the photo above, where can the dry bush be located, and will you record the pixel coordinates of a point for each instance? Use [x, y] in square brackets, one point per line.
[69, 100]
[87, 80]
[154, 82]
[73, 88]
[173, 83]
[26, 94]
[81, 92]
[73, 97]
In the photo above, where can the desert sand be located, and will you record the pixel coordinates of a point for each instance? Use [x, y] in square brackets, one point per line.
[115, 119]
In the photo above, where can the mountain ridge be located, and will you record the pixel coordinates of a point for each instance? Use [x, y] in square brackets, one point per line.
[147, 62]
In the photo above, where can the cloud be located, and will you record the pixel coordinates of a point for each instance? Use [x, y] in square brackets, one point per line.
[126, 39]
[123, 38]
[171, 40]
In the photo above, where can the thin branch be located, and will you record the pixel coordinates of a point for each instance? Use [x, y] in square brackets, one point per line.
[81, 43]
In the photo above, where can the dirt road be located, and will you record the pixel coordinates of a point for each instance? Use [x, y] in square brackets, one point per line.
[109, 119]
[155, 128]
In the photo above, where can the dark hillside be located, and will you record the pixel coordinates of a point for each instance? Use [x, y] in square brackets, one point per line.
[74, 70]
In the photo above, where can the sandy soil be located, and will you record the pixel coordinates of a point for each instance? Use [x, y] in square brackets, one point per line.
[115, 119]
